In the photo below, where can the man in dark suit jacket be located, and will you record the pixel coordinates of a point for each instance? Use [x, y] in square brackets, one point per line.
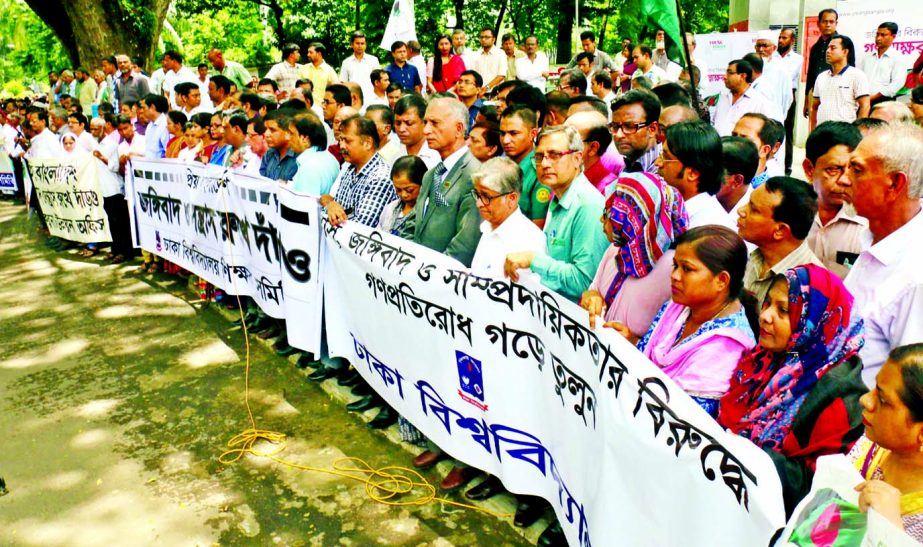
[448, 218]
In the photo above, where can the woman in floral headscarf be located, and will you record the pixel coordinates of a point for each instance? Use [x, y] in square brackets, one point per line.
[642, 219]
[796, 394]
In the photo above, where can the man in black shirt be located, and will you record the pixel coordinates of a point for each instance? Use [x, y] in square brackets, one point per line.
[817, 57]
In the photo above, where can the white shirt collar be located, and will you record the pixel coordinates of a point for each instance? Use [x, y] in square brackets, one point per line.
[892, 247]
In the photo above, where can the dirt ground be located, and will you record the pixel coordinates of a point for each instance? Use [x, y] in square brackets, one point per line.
[119, 391]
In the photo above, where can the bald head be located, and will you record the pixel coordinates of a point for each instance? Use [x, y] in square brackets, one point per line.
[342, 114]
[673, 115]
[585, 121]
[594, 133]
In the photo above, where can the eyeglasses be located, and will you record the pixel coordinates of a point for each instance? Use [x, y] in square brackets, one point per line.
[484, 198]
[663, 159]
[551, 155]
[626, 128]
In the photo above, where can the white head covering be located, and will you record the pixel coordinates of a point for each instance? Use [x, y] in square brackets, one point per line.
[768, 34]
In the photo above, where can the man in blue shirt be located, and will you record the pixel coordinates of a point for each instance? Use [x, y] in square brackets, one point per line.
[156, 135]
[279, 162]
[401, 71]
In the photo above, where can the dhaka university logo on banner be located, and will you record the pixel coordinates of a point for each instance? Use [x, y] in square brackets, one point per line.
[470, 379]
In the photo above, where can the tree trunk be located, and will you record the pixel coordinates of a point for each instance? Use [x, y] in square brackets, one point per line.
[565, 30]
[91, 30]
[459, 14]
[500, 19]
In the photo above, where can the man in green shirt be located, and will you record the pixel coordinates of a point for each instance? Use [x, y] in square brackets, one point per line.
[574, 239]
[235, 72]
[517, 133]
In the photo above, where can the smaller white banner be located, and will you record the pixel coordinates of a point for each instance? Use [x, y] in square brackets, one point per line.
[69, 195]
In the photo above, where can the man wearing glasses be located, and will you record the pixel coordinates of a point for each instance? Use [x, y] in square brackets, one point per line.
[497, 188]
[634, 129]
[739, 98]
[490, 62]
[573, 237]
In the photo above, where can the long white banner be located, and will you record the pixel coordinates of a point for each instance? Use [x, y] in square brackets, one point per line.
[510, 379]
[244, 234]
[70, 198]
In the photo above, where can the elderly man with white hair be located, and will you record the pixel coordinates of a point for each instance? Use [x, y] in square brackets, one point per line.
[892, 111]
[885, 184]
[497, 187]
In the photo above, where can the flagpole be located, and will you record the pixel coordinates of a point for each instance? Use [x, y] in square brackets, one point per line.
[682, 36]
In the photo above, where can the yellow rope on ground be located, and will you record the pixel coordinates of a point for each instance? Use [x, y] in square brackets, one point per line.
[387, 485]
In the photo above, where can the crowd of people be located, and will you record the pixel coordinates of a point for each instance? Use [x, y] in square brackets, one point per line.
[775, 303]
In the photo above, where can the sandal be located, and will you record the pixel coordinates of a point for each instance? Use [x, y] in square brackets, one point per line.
[117, 259]
[86, 253]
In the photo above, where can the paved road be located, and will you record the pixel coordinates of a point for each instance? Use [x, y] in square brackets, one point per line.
[117, 395]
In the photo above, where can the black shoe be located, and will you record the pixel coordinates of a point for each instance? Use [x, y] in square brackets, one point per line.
[287, 350]
[362, 389]
[529, 510]
[553, 536]
[486, 490]
[386, 418]
[351, 378]
[307, 359]
[363, 404]
[323, 373]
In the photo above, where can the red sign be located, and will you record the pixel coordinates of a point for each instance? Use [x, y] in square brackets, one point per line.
[811, 34]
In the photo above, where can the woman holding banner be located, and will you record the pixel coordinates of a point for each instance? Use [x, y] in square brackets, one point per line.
[796, 394]
[642, 219]
[890, 455]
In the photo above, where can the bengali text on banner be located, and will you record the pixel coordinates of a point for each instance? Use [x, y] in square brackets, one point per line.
[70, 197]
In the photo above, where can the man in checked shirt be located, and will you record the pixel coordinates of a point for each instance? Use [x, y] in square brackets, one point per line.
[364, 186]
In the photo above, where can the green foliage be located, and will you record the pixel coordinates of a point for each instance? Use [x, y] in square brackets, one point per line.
[28, 48]
[239, 33]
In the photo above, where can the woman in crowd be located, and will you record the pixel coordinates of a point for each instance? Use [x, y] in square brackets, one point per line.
[192, 142]
[890, 455]
[68, 144]
[642, 219]
[796, 394]
[484, 141]
[700, 335]
[176, 125]
[215, 132]
[407, 176]
[444, 68]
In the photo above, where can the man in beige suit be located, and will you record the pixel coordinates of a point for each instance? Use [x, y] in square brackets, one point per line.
[448, 215]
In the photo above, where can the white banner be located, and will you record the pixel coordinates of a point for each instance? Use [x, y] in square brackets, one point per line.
[718, 49]
[7, 177]
[70, 198]
[510, 379]
[859, 19]
[243, 234]
[401, 24]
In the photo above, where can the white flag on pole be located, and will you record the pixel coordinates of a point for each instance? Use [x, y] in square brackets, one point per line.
[401, 24]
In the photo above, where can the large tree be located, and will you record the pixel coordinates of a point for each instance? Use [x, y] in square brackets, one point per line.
[93, 29]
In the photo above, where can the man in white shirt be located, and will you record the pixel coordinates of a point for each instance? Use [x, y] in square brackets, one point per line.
[790, 62]
[842, 92]
[44, 144]
[691, 161]
[490, 61]
[408, 124]
[884, 67]
[416, 59]
[646, 67]
[766, 134]
[286, 72]
[772, 82]
[532, 67]
[497, 186]
[740, 162]
[380, 80]
[358, 67]
[739, 98]
[177, 73]
[836, 235]
[884, 184]
[601, 87]
[459, 41]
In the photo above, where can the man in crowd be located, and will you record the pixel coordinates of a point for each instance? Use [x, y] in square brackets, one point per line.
[601, 86]
[842, 92]
[497, 191]
[389, 145]
[836, 234]
[358, 67]
[601, 59]
[518, 128]
[766, 134]
[585, 66]
[86, 95]
[817, 57]
[646, 67]
[235, 72]
[884, 184]
[459, 41]
[740, 162]
[574, 242]
[177, 73]
[738, 98]
[402, 72]
[279, 162]
[791, 63]
[380, 82]
[357, 95]
[408, 124]
[416, 60]
[572, 82]
[884, 66]
[691, 161]
[156, 135]
[532, 67]
[189, 96]
[317, 168]
[777, 220]
[318, 71]
[44, 144]
[110, 70]
[285, 73]
[508, 45]
[336, 96]
[468, 89]
[601, 161]
[447, 216]
[219, 89]
[672, 115]
[772, 83]
[634, 129]
[129, 86]
[235, 138]
[557, 103]
[490, 62]
[112, 188]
